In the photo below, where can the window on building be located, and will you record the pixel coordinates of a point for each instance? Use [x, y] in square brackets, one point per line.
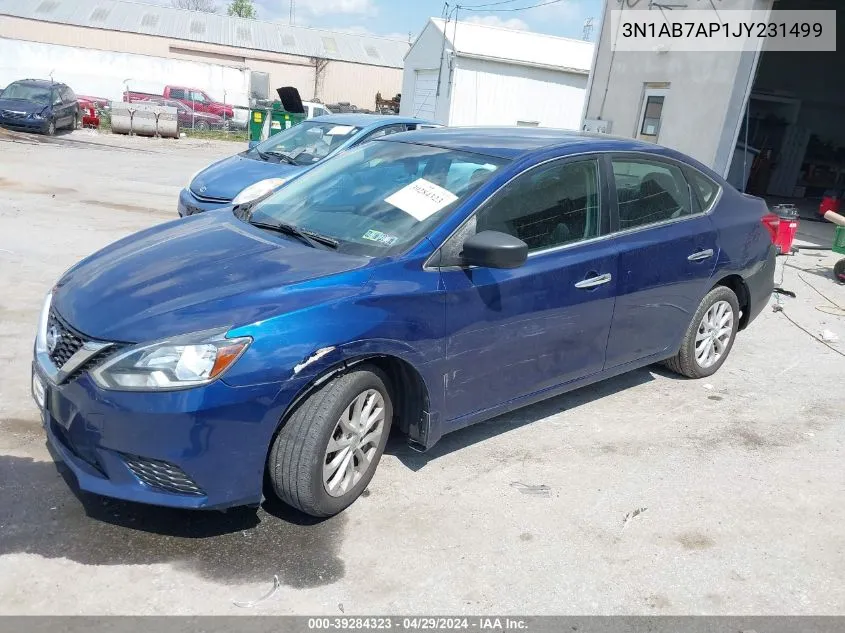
[549, 206]
[649, 192]
[653, 114]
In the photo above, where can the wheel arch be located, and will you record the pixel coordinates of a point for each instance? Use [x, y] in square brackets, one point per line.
[737, 284]
[408, 391]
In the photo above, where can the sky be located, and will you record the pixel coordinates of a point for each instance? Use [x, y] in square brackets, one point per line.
[398, 18]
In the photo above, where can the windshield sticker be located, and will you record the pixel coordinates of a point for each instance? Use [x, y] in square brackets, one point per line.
[421, 199]
[340, 130]
[381, 238]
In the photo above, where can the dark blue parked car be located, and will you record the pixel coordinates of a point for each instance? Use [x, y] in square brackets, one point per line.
[264, 168]
[38, 105]
[427, 281]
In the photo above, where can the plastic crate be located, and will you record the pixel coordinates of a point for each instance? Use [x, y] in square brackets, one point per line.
[839, 240]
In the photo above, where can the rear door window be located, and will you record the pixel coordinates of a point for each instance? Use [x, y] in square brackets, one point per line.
[649, 192]
[177, 93]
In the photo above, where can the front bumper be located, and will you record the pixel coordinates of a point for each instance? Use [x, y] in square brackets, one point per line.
[189, 204]
[198, 448]
[25, 124]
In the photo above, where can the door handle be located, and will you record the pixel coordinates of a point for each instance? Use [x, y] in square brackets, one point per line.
[593, 282]
[700, 256]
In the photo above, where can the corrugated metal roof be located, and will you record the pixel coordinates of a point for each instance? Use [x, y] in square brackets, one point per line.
[136, 17]
[518, 47]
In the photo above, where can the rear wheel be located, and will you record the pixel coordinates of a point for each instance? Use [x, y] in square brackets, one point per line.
[709, 337]
[202, 126]
[327, 452]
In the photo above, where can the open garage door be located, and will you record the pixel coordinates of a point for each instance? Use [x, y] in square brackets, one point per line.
[791, 145]
[425, 94]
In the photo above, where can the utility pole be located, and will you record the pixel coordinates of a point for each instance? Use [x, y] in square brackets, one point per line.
[292, 12]
[588, 30]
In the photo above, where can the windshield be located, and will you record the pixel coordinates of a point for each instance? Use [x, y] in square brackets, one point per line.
[27, 92]
[306, 143]
[380, 198]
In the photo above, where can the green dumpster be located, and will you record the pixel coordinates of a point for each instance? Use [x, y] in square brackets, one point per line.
[269, 118]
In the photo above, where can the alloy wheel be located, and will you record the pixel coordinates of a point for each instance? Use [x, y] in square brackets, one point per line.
[714, 334]
[354, 443]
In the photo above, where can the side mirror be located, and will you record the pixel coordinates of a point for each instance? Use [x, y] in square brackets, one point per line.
[492, 249]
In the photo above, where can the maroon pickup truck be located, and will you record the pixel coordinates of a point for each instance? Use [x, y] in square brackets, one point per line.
[194, 98]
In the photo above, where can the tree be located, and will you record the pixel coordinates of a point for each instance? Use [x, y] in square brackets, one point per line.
[206, 6]
[243, 9]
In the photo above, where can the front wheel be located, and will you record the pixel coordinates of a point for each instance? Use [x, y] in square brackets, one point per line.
[709, 337]
[326, 454]
[51, 128]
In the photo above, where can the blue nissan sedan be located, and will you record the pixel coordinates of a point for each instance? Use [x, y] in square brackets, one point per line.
[422, 282]
[264, 168]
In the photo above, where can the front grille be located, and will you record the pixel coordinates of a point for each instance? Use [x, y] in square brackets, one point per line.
[203, 198]
[162, 475]
[9, 114]
[68, 340]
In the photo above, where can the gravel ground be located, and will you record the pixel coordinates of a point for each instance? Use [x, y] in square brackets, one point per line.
[738, 479]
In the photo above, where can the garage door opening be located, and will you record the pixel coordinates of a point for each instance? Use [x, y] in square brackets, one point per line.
[791, 146]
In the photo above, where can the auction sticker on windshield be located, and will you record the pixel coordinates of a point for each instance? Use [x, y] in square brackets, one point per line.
[421, 199]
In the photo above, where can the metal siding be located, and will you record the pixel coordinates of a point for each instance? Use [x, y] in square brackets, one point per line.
[223, 30]
[358, 84]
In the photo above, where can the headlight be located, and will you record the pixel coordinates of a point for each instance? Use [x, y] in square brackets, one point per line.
[41, 336]
[177, 363]
[36, 115]
[258, 190]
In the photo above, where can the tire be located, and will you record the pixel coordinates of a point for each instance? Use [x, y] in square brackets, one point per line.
[686, 362]
[77, 121]
[51, 128]
[301, 449]
[839, 271]
[202, 126]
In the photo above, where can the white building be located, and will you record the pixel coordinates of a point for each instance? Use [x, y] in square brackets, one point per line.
[469, 74]
[790, 106]
[95, 45]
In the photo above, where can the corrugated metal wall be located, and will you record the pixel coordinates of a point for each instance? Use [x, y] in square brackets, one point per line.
[342, 81]
[492, 93]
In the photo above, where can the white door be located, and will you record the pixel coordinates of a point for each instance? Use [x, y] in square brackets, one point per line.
[425, 94]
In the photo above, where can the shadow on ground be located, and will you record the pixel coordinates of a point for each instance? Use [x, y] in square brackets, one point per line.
[43, 512]
[468, 436]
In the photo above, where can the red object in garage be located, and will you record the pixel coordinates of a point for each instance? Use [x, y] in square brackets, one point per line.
[830, 202]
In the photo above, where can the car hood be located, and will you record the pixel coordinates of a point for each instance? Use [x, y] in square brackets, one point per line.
[203, 272]
[227, 178]
[18, 105]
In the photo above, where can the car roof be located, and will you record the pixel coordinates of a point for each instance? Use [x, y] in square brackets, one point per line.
[367, 120]
[46, 83]
[510, 142]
